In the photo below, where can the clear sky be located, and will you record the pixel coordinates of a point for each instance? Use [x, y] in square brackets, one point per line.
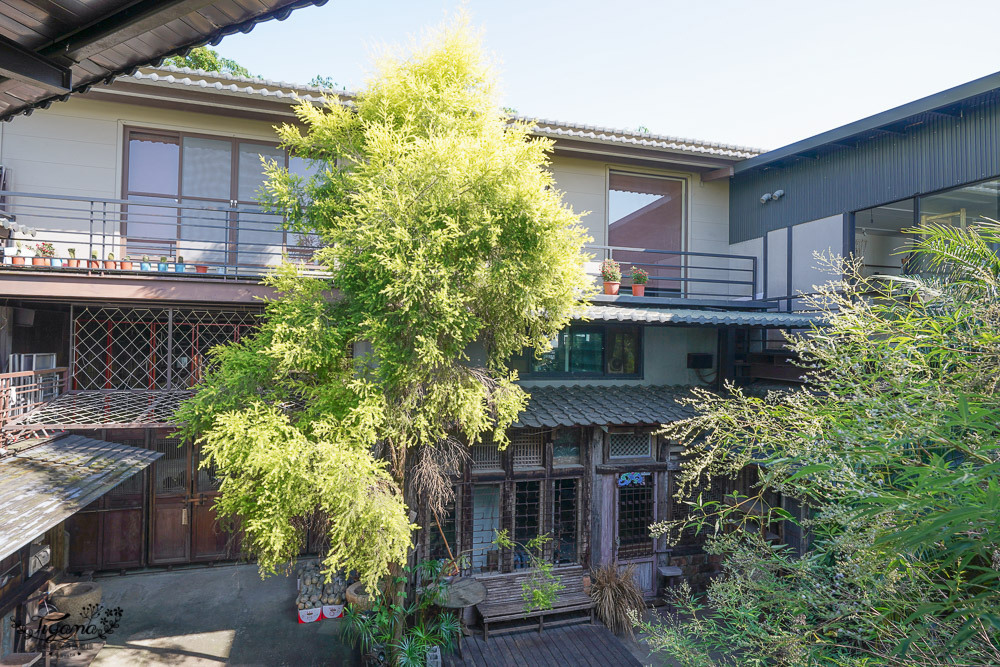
[756, 73]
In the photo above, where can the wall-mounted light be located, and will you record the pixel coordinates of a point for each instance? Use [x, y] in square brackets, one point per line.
[771, 196]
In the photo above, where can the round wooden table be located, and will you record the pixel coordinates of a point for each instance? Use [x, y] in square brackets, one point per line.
[460, 593]
[463, 592]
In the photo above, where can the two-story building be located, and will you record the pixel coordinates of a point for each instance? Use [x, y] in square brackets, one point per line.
[151, 180]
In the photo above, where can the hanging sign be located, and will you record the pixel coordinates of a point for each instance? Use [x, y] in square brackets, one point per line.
[632, 479]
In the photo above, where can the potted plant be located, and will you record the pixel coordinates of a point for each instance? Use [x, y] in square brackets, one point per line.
[144, 264]
[162, 265]
[72, 262]
[126, 263]
[43, 254]
[639, 280]
[94, 262]
[179, 265]
[201, 268]
[110, 262]
[17, 259]
[611, 272]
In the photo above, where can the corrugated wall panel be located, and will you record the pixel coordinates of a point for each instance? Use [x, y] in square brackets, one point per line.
[936, 152]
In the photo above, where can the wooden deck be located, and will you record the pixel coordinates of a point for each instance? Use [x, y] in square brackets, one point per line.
[555, 647]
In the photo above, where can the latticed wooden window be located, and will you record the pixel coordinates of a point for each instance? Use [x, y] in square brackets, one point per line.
[485, 455]
[564, 520]
[629, 445]
[635, 514]
[527, 519]
[527, 447]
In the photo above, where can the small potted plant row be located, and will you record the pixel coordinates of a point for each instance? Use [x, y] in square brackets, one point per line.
[44, 254]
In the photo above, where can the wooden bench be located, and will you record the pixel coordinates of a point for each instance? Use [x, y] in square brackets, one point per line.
[505, 601]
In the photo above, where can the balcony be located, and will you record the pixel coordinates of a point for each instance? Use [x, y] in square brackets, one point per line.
[676, 274]
[112, 237]
[100, 238]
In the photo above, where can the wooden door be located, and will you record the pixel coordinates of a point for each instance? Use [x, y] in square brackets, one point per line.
[109, 533]
[635, 512]
[211, 540]
[170, 514]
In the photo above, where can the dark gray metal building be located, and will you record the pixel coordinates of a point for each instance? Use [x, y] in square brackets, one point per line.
[855, 189]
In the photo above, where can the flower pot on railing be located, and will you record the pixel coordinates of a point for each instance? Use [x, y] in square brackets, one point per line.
[72, 263]
[110, 264]
[55, 263]
[126, 265]
[162, 265]
[200, 268]
[639, 279]
[145, 266]
[611, 274]
[17, 260]
[180, 268]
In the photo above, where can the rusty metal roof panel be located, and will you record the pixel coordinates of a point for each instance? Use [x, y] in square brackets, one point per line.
[101, 39]
[46, 481]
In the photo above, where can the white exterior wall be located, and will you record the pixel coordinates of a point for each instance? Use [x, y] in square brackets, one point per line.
[584, 186]
[664, 359]
[824, 236]
[76, 148]
[751, 248]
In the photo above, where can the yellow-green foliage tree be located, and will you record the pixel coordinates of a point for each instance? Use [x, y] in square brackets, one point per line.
[442, 234]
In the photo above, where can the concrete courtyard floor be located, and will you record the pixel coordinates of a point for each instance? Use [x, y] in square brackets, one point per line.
[206, 617]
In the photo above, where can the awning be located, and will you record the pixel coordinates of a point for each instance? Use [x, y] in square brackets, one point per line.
[51, 49]
[46, 481]
[594, 405]
[695, 317]
[103, 409]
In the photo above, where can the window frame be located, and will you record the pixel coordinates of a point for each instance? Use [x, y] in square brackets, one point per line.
[229, 205]
[605, 330]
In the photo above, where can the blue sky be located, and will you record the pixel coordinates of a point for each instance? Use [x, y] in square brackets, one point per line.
[762, 73]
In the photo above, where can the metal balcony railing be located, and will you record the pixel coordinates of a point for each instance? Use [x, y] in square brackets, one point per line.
[114, 235]
[24, 391]
[684, 274]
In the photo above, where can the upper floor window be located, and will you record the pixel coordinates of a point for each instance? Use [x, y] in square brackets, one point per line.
[646, 211]
[163, 167]
[588, 351]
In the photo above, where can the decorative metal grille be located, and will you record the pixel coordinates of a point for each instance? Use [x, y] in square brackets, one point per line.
[527, 518]
[635, 514]
[485, 455]
[629, 446]
[143, 348]
[564, 523]
[105, 409]
[526, 446]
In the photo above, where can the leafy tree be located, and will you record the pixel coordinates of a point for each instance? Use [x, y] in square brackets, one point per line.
[446, 251]
[893, 448]
[321, 81]
[204, 58]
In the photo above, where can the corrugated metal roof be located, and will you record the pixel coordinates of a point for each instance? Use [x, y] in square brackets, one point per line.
[100, 39]
[603, 405]
[45, 482]
[653, 315]
[215, 81]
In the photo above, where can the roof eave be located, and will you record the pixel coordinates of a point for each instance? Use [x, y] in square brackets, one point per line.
[938, 100]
